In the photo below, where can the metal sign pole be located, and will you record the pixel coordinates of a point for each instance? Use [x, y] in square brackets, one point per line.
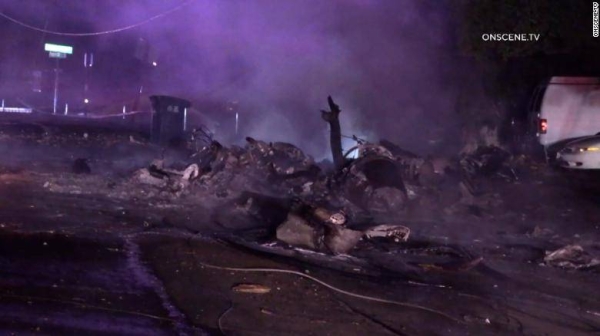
[185, 119]
[56, 70]
[88, 62]
[57, 51]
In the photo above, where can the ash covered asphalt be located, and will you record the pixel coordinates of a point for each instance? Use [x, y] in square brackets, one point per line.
[85, 254]
[59, 284]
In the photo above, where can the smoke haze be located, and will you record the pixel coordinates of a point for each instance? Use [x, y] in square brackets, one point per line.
[390, 65]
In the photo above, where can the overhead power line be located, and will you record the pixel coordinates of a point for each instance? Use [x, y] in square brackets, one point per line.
[112, 31]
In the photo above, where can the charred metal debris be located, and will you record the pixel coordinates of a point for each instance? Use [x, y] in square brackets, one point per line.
[331, 207]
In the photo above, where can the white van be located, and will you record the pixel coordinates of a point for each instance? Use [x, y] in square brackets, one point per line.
[566, 109]
[569, 108]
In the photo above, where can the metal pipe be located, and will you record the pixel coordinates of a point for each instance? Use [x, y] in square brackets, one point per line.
[237, 119]
[55, 104]
[86, 65]
[184, 119]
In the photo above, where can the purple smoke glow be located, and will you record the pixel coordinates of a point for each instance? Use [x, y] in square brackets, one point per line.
[391, 65]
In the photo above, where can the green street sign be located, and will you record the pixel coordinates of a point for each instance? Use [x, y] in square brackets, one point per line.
[57, 48]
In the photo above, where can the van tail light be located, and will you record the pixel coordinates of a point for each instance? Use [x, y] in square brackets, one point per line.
[543, 127]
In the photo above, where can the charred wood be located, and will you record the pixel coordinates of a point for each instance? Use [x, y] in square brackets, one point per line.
[335, 132]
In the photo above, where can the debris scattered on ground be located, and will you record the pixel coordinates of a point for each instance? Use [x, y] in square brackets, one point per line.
[571, 257]
[266, 311]
[277, 187]
[541, 232]
[384, 182]
[145, 176]
[327, 216]
[299, 232]
[251, 289]
[487, 160]
[398, 233]
[456, 266]
[340, 240]
[81, 166]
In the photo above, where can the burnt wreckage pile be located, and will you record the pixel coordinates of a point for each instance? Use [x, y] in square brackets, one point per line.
[305, 204]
